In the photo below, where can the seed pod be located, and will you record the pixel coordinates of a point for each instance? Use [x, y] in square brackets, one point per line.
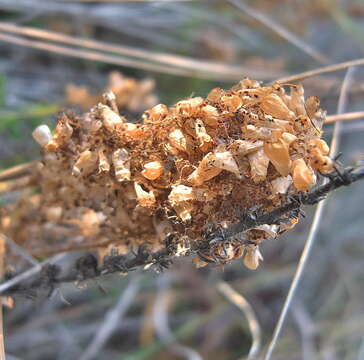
[42, 135]
[145, 198]
[121, 162]
[180, 193]
[244, 147]
[215, 95]
[54, 213]
[178, 140]
[303, 176]
[134, 131]
[258, 165]
[278, 153]
[252, 257]
[281, 184]
[104, 164]
[297, 101]
[203, 137]
[180, 198]
[206, 170]
[110, 119]
[224, 160]
[157, 113]
[152, 170]
[85, 163]
[232, 102]
[189, 107]
[210, 115]
[275, 106]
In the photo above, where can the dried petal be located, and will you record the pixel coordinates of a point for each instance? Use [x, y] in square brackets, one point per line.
[132, 130]
[232, 102]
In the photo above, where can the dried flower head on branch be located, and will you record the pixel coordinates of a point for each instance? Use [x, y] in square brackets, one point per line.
[214, 177]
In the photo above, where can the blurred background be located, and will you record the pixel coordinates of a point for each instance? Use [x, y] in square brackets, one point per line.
[63, 54]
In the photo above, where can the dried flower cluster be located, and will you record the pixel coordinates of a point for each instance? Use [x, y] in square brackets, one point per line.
[132, 95]
[200, 162]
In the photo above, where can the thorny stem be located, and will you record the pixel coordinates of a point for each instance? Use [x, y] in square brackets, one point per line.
[87, 267]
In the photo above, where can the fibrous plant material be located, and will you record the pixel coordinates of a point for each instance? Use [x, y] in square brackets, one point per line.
[190, 170]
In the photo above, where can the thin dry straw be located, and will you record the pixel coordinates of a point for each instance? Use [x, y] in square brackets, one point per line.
[280, 30]
[112, 319]
[322, 70]
[165, 58]
[161, 323]
[239, 301]
[18, 249]
[172, 64]
[314, 227]
[345, 117]
[29, 273]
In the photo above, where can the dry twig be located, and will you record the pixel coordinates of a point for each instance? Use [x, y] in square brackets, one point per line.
[280, 30]
[238, 300]
[112, 319]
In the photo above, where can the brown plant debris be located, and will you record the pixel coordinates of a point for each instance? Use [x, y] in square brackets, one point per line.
[190, 170]
[131, 94]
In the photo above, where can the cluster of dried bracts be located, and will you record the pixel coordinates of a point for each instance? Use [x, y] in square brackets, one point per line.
[114, 184]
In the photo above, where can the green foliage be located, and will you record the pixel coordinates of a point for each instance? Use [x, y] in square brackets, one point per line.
[13, 122]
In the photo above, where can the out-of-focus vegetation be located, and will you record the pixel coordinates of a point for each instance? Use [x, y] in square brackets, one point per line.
[327, 318]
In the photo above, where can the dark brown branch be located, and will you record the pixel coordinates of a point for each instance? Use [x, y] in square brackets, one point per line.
[87, 267]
